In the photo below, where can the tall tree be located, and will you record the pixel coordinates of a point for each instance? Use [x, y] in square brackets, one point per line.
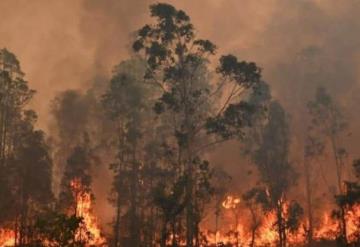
[276, 173]
[14, 95]
[331, 125]
[127, 102]
[25, 163]
[178, 63]
[77, 170]
[313, 148]
[32, 173]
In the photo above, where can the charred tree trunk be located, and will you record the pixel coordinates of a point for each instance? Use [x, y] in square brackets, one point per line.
[255, 226]
[281, 225]
[190, 212]
[134, 219]
[309, 202]
[117, 226]
[343, 226]
[164, 234]
[339, 165]
[117, 222]
[174, 233]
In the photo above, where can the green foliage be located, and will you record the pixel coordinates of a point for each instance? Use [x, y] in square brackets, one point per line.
[242, 72]
[236, 117]
[190, 108]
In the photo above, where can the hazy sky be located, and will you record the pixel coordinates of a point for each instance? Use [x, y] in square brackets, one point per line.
[66, 44]
[300, 44]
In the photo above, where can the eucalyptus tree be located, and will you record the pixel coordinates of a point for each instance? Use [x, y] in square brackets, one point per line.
[31, 175]
[203, 108]
[77, 178]
[330, 125]
[127, 102]
[25, 163]
[269, 151]
[313, 149]
[14, 96]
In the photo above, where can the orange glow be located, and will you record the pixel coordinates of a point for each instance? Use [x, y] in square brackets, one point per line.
[231, 202]
[266, 233]
[328, 228]
[353, 222]
[7, 238]
[84, 210]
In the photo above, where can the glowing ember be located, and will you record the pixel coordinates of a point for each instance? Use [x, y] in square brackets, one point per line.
[231, 202]
[328, 228]
[84, 210]
[7, 238]
[353, 223]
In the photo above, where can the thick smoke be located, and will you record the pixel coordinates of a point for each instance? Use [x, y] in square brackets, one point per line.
[299, 44]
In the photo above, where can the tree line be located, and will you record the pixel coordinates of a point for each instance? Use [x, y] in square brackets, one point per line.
[161, 113]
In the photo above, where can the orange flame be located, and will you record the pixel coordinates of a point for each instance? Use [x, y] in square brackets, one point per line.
[266, 233]
[84, 210]
[7, 238]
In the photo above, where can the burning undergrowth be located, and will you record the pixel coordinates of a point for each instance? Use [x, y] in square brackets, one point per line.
[153, 127]
[84, 232]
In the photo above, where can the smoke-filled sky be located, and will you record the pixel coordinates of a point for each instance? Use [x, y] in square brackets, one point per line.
[66, 44]
[300, 44]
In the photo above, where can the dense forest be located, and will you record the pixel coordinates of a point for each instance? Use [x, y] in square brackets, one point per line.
[155, 127]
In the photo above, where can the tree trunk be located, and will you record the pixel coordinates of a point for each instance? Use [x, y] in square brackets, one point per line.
[343, 225]
[163, 234]
[134, 224]
[254, 227]
[117, 222]
[253, 233]
[189, 214]
[339, 164]
[173, 225]
[309, 202]
[281, 228]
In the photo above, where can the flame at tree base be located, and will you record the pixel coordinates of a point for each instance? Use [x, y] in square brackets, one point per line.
[89, 230]
[266, 233]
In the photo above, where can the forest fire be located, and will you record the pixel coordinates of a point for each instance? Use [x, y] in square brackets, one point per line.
[7, 238]
[266, 234]
[179, 143]
[89, 232]
[353, 223]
